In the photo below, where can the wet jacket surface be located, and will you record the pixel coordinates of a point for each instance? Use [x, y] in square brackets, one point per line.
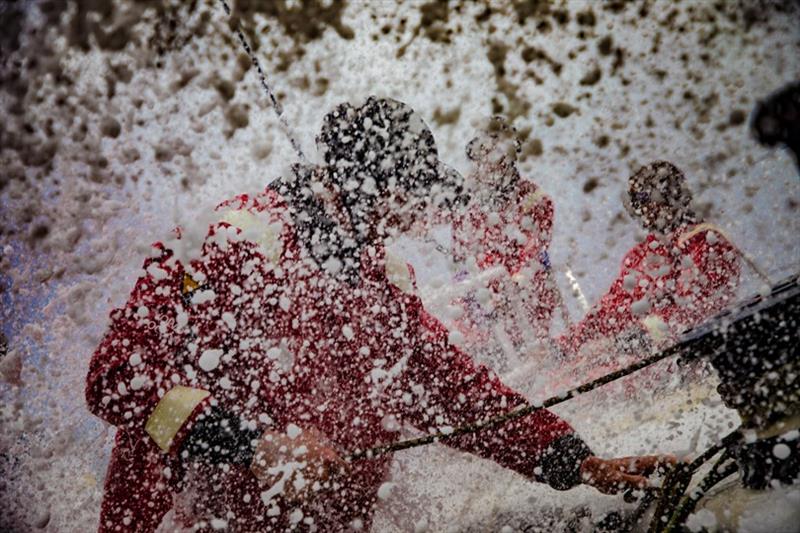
[517, 240]
[664, 286]
[255, 327]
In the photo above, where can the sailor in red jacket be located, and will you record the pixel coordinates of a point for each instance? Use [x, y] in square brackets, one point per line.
[239, 375]
[503, 235]
[684, 271]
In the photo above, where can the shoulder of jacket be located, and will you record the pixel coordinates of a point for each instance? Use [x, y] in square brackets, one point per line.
[635, 254]
[698, 230]
[400, 273]
[259, 219]
[531, 196]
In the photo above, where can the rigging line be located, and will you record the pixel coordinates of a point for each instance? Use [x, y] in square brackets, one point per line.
[575, 287]
[521, 411]
[276, 105]
[722, 469]
[751, 262]
[679, 478]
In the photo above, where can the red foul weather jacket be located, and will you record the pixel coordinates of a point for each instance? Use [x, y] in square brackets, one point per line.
[258, 328]
[665, 286]
[516, 240]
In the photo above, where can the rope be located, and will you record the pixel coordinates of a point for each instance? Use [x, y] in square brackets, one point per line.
[514, 414]
[678, 479]
[577, 292]
[721, 470]
[276, 106]
[511, 415]
[750, 262]
[630, 522]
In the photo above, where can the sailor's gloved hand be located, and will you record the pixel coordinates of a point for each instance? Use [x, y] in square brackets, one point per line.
[611, 476]
[219, 437]
[297, 464]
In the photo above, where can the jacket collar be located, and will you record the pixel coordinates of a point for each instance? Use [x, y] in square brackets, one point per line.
[331, 248]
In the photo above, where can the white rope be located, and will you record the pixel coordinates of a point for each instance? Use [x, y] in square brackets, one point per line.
[577, 292]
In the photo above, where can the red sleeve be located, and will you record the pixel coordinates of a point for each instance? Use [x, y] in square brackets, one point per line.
[543, 215]
[539, 207]
[139, 377]
[133, 367]
[708, 278]
[610, 316]
[451, 391]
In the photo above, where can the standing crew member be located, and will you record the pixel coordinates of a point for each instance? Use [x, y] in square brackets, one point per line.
[684, 271]
[238, 380]
[503, 235]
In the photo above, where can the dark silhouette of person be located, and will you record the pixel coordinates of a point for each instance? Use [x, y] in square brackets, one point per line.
[776, 120]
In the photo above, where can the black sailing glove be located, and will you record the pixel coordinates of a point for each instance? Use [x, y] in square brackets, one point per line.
[561, 462]
[218, 437]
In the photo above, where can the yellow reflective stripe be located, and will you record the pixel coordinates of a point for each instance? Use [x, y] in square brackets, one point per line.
[171, 413]
[656, 327]
[398, 274]
[530, 200]
[705, 226]
[258, 229]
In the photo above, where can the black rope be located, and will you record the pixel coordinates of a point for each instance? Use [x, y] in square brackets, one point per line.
[519, 412]
[276, 105]
[719, 472]
[649, 497]
[678, 479]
